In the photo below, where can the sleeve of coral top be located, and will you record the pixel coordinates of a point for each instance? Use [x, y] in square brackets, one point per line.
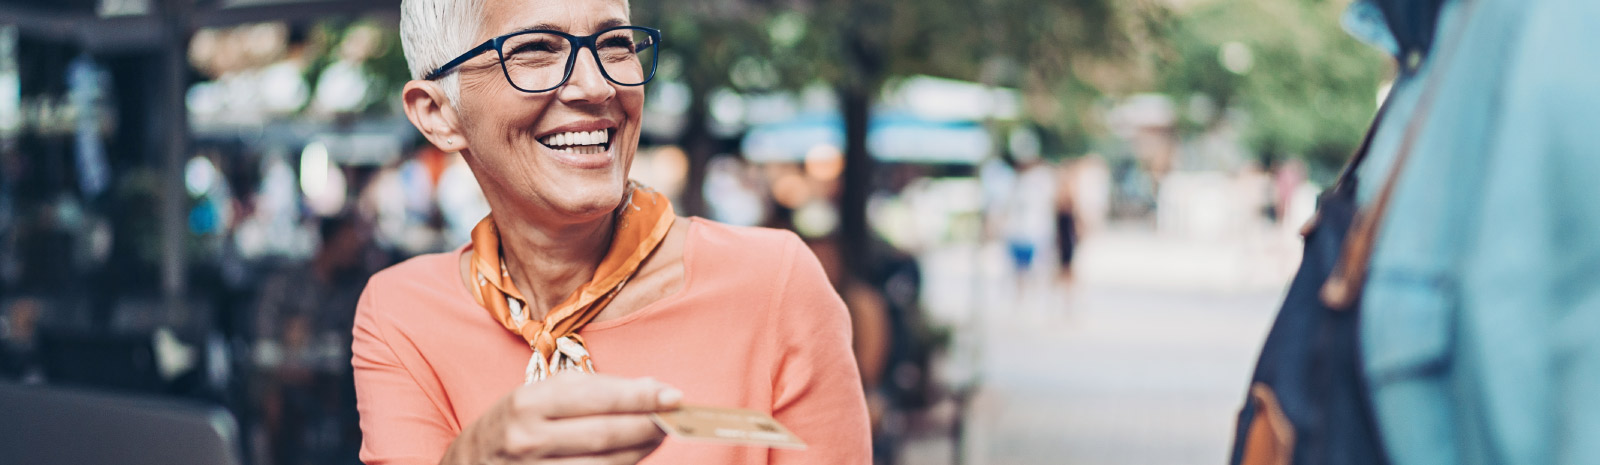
[817, 389]
[400, 424]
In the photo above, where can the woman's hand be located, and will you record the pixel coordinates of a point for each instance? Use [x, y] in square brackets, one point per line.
[568, 419]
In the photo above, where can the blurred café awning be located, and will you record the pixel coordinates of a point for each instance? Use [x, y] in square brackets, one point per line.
[128, 25]
[893, 137]
[922, 119]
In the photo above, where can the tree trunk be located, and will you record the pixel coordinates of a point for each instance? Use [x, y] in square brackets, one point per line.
[855, 234]
[698, 146]
[865, 55]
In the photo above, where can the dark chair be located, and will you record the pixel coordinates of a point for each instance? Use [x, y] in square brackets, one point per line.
[113, 362]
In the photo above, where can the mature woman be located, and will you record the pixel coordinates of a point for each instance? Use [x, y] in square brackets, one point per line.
[583, 303]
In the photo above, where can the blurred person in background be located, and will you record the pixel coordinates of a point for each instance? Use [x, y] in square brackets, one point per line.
[891, 341]
[1066, 220]
[1287, 179]
[487, 354]
[19, 325]
[301, 346]
[1031, 218]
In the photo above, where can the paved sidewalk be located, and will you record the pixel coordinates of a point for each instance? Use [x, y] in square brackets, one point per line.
[1144, 360]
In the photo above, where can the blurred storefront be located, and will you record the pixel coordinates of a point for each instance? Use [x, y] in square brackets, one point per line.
[193, 195]
[188, 197]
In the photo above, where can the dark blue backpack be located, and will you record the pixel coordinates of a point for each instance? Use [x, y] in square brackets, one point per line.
[1308, 402]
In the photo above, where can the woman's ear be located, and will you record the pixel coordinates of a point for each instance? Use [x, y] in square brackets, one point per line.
[432, 113]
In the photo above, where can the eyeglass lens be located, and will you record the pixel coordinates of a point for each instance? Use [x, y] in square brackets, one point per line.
[537, 61]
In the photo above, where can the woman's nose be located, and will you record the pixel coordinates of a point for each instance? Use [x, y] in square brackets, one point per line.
[586, 84]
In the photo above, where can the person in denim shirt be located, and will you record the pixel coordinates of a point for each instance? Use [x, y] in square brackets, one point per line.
[1481, 312]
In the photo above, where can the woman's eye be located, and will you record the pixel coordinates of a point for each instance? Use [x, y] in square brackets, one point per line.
[617, 43]
[535, 47]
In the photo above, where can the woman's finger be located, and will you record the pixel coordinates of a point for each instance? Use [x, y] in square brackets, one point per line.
[621, 457]
[578, 395]
[600, 434]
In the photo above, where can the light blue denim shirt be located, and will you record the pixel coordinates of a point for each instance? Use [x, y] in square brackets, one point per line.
[1481, 315]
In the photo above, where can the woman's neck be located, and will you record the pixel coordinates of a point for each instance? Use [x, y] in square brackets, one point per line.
[548, 262]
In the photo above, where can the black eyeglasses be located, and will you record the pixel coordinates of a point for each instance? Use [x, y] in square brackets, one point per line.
[542, 60]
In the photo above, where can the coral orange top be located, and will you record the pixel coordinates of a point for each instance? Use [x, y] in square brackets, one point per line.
[755, 326]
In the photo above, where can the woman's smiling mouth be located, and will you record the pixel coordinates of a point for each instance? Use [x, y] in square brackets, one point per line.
[579, 142]
[585, 150]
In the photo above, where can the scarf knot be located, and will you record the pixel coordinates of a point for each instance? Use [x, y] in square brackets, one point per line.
[641, 223]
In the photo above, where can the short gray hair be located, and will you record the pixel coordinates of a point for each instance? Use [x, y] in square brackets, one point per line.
[433, 32]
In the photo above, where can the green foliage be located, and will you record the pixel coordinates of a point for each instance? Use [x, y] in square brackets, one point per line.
[710, 43]
[388, 70]
[1309, 92]
[1310, 89]
[868, 42]
[385, 67]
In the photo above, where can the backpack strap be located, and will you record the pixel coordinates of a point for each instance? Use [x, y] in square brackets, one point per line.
[1349, 275]
[1346, 182]
[1347, 176]
[1344, 284]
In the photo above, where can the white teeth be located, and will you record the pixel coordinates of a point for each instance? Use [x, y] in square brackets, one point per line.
[582, 149]
[566, 139]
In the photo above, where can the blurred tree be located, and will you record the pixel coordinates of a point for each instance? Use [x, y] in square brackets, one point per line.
[859, 46]
[1306, 88]
[702, 42]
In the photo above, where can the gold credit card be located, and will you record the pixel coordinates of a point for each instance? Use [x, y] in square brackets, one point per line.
[729, 425]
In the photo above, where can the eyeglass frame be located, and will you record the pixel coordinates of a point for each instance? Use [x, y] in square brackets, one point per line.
[577, 42]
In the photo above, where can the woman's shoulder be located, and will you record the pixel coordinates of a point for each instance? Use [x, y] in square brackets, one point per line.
[715, 242]
[434, 275]
[727, 234]
[773, 267]
[753, 259]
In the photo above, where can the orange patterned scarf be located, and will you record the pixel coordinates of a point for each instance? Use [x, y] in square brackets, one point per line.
[640, 225]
